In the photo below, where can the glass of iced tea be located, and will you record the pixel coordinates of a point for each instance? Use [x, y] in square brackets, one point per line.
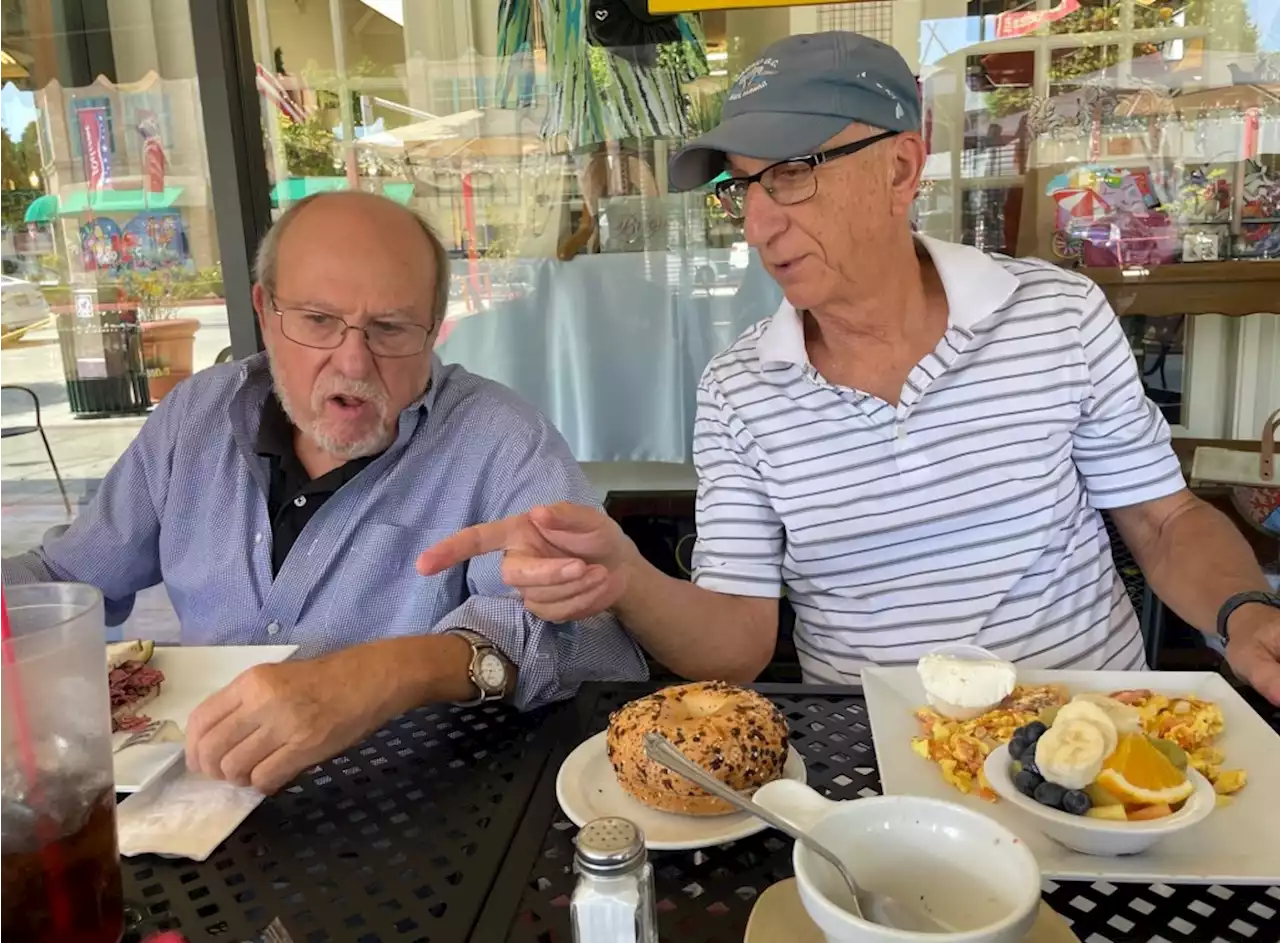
[61, 870]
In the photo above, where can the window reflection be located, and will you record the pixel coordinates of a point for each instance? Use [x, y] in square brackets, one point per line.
[1123, 137]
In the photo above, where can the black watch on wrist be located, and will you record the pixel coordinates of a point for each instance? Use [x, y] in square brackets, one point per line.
[1241, 599]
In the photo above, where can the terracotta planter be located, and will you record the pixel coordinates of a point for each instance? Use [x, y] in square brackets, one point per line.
[168, 345]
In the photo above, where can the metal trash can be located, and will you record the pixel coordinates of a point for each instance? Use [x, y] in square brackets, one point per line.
[102, 358]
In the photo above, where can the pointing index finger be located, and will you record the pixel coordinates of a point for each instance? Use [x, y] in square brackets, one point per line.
[470, 542]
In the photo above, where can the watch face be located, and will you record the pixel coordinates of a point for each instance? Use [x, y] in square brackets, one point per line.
[492, 673]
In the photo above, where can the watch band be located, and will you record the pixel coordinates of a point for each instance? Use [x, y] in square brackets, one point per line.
[480, 647]
[1242, 599]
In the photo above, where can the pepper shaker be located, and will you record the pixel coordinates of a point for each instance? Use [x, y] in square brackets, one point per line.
[613, 901]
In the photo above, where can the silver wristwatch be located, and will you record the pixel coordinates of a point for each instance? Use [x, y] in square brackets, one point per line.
[490, 671]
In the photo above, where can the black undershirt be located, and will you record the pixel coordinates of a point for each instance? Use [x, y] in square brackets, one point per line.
[294, 497]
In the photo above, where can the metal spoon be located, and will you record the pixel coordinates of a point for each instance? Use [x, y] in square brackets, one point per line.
[885, 911]
[661, 750]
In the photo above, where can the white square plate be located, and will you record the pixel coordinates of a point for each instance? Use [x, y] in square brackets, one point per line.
[191, 674]
[1237, 844]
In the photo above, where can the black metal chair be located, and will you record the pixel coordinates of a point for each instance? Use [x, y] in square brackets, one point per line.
[8, 432]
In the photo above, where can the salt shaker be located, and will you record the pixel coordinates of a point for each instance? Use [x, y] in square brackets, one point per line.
[613, 901]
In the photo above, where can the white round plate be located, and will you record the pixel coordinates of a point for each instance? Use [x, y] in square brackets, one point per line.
[588, 789]
[779, 914]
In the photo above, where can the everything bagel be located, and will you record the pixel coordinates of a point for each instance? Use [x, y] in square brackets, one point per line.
[736, 735]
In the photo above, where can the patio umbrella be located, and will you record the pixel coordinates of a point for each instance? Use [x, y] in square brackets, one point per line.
[1237, 98]
[1081, 204]
[475, 124]
[471, 148]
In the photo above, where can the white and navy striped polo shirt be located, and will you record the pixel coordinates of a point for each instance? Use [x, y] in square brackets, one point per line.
[968, 512]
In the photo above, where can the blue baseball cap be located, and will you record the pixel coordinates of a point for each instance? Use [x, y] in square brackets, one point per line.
[800, 93]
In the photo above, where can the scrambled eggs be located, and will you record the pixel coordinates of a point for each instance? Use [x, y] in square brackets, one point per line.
[1193, 725]
[961, 747]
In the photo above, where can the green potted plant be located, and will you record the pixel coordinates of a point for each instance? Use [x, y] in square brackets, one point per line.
[168, 341]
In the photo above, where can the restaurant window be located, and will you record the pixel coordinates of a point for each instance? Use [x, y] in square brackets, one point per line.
[1138, 142]
[1093, 133]
[112, 289]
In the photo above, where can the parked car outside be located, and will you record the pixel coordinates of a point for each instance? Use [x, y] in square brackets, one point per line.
[22, 307]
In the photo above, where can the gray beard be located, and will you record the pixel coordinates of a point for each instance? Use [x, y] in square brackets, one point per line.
[377, 440]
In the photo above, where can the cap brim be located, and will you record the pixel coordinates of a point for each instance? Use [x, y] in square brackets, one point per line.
[763, 135]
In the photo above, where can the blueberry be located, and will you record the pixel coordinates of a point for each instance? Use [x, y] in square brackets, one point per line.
[1017, 747]
[1034, 731]
[1049, 794]
[1029, 762]
[1076, 801]
[1026, 782]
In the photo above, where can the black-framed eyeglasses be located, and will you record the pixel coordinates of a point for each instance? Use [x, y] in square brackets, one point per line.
[386, 337]
[789, 181]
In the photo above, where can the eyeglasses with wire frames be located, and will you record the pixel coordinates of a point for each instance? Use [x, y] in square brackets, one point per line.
[787, 182]
[386, 336]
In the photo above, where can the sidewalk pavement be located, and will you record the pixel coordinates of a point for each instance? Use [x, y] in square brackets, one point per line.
[83, 449]
[30, 507]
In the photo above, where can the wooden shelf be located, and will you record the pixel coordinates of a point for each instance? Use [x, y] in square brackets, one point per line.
[1234, 289]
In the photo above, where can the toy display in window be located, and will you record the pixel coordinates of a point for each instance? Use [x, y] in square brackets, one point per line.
[1259, 236]
[1110, 216]
[1204, 194]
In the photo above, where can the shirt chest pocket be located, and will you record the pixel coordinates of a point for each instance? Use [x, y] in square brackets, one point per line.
[378, 593]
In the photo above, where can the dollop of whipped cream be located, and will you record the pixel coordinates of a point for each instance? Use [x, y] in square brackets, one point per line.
[966, 682]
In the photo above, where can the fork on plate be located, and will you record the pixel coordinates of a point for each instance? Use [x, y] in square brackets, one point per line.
[138, 737]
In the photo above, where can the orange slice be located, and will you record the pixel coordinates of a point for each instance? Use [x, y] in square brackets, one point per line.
[1139, 773]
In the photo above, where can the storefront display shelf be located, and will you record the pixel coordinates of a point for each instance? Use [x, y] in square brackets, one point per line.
[1234, 288]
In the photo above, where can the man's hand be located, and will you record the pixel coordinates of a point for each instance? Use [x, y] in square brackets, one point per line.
[1254, 649]
[273, 721]
[567, 561]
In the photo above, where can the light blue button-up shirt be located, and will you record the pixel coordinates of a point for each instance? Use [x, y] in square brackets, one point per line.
[186, 505]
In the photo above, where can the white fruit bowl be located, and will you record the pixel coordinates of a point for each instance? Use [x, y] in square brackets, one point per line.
[1092, 836]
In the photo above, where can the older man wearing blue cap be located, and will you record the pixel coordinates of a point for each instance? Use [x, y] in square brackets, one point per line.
[915, 447]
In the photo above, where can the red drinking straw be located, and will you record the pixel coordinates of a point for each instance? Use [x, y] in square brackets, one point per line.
[46, 828]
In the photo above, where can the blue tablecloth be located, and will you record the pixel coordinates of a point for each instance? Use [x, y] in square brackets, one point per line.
[610, 347]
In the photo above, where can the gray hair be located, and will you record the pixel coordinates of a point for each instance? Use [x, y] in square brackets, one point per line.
[264, 265]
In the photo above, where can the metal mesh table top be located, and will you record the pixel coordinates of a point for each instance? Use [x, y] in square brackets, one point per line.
[706, 896]
[397, 841]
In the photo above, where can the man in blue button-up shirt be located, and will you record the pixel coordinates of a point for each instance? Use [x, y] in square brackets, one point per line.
[284, 499]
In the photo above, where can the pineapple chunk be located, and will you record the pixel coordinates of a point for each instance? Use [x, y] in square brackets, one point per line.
[1145, 813]
[1099, 795]
[1114, 812]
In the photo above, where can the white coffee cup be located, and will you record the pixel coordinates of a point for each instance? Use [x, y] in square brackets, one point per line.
[961, 868]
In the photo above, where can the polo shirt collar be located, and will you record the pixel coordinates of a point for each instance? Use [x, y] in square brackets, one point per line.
[976, 285]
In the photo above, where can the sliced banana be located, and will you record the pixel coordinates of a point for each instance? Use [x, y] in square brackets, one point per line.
[1091, 713]
[1126, 717]
[1070, 753]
